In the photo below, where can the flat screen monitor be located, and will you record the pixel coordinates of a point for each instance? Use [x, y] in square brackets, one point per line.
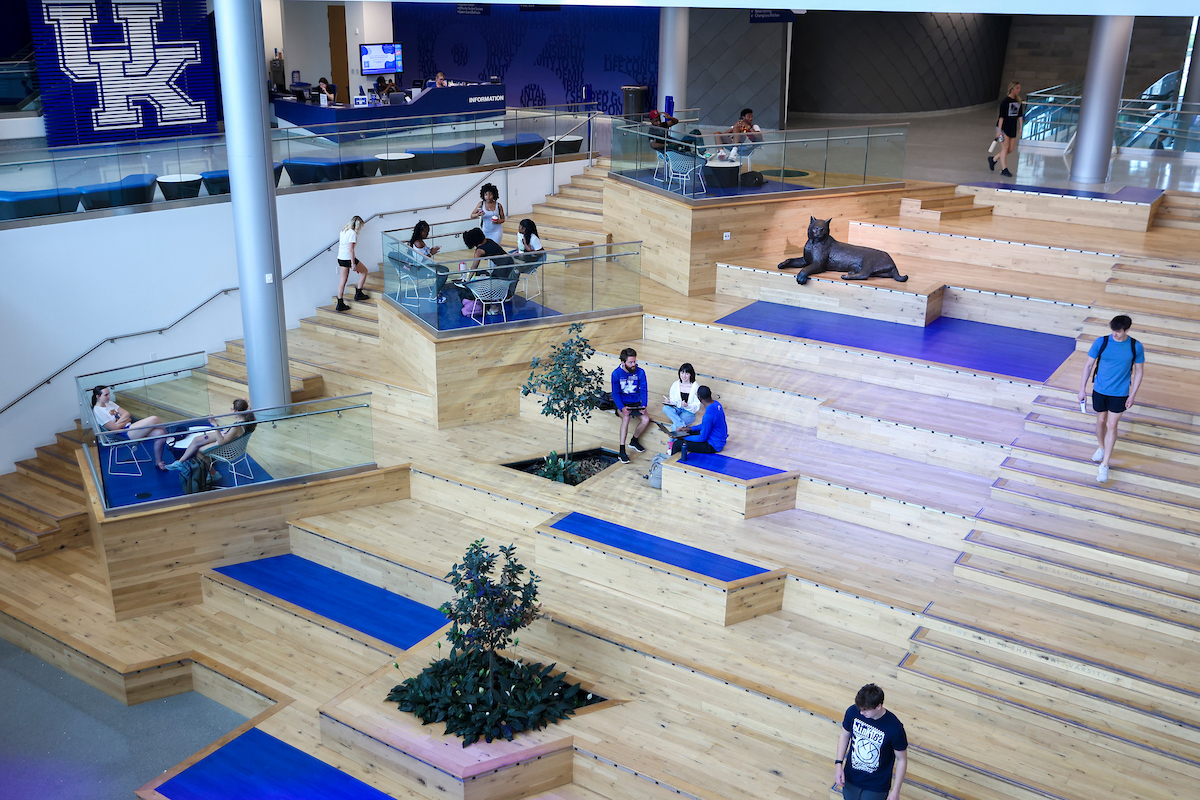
[381, 59]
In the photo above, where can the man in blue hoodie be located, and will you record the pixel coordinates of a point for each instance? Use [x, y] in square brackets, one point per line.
[630, 392]
[713, 433]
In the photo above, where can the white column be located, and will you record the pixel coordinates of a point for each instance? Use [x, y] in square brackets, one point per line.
[252, 186]
[673, 56]
[1102, 86]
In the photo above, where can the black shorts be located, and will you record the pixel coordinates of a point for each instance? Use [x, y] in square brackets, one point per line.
[344, 263]
[1104, 402]
[852, 792]
[1009, 128]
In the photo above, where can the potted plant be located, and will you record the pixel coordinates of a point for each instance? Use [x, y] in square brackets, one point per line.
[478, 692]
[571, 391]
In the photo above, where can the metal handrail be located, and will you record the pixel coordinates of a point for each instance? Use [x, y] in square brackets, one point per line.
[222, 292]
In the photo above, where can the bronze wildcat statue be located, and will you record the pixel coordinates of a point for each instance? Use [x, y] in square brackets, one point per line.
[823, 252]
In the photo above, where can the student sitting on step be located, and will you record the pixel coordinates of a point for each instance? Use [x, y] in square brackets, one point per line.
[713, 432]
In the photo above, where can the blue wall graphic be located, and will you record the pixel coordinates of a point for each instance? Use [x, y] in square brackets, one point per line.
[544, 57]
[114, 70]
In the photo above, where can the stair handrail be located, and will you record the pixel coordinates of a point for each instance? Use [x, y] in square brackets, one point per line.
[590, 116]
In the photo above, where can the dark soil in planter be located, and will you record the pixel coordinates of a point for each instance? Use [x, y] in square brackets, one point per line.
[591, 463]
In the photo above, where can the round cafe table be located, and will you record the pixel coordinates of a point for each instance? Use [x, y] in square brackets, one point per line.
[722, 174]
[396, 163]
[179, 187]
[565, 145]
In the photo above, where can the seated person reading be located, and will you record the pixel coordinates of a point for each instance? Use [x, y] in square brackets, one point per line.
[660, 125]
[111, 417]
[242, 424]
[712, 434]
[384, 87]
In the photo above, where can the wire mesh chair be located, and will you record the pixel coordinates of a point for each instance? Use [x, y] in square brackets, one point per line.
[120, 466]
[232, 454]
[661, 162]
[528, 266]
[684, 167]
[491, 291]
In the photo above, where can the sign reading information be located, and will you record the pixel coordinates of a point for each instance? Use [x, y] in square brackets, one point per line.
[114, 70]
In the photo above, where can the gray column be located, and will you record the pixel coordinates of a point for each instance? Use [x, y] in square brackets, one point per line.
[1101, 97]
[252, 186]
[673, 56]
[1191, 92]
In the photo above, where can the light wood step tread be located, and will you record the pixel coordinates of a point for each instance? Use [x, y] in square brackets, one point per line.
[1174, 528]
[1179, 503]
[55, 504]
[1080, 453]
[1130, 285]
[1083, 427]
[1161, 428]
[1150, 349]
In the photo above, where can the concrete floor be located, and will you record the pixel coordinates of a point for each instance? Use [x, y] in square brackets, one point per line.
[952, 147]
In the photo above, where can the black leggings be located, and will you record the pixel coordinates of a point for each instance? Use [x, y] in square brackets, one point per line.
[693, 447]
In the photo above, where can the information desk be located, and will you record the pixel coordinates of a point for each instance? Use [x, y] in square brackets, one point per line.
[442, 103]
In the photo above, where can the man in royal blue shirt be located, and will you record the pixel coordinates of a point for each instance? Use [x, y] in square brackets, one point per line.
[1115, 387]
[872, 742]
[630, 393]
[712, 433]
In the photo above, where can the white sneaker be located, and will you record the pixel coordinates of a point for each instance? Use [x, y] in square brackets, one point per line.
[1098, 456]
[722, 154]
[1102, 474]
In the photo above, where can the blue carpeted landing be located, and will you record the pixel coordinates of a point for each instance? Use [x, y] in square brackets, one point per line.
[257, 766]
[155, 484]
[683, 556]
[449, 316]
[974, 346]
[646, 176]
[733, 467]
[349, 601]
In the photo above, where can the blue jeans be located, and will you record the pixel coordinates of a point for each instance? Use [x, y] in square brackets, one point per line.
[679, 416]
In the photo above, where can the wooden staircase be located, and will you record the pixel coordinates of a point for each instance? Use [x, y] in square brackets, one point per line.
[1179, 210]
[945, 205]
[42, 503]
[574, 217]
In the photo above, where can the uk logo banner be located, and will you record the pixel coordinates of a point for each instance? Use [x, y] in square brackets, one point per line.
[115, 70]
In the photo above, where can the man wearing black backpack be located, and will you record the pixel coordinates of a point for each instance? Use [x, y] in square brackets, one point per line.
[1118, 360]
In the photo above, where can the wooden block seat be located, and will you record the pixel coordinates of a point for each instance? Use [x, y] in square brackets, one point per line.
[1130, 208]
[352, 603]
[39, 203]
[466, 154]
[698, 582]
[217, 181]
[519, 147]
[130, 190]
[730, 485]
[256, 764]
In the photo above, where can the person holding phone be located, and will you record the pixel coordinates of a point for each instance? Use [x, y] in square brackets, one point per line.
[682, 405]
[630, 392]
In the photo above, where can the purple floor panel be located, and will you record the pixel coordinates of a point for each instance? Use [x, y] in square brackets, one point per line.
[974, 346]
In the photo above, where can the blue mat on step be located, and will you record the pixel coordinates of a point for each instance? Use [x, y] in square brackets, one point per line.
[356, 604]
[256, 766]
[733, 467]
[974, 346]
[693, 559]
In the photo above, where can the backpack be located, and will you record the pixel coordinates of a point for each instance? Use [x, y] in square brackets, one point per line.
[193, 477]
[751, 179]
[1103, 344]
[655, 476]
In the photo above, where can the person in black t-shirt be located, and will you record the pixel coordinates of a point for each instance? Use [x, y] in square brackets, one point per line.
[872, 743]
[1008, 127]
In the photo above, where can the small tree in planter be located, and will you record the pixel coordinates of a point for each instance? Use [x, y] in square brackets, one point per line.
[572, 392]
[476, 691]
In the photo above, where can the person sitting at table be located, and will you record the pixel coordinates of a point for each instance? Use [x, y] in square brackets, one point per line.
[484, 247]
[713, 432]
[660, 126]
[744, 130]
[243, 423]
[417, 240]
[384, 87]
[528, 241]
[111, 417]
[324, 88]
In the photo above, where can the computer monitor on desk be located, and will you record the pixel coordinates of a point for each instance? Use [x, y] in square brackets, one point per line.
[299, 95]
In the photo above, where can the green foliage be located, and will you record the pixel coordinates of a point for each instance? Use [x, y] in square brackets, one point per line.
[572, 391]
[475, 691]
[477, 701]
[561, 470]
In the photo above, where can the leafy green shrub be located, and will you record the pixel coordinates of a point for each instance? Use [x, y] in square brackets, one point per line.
[561, 470]
[571, 390]
[476, 692]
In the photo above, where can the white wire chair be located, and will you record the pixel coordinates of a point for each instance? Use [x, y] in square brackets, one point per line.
[658, 167]
[528, 266]
[137, 455]
[491, 291]
[232, 454]
[684, 167]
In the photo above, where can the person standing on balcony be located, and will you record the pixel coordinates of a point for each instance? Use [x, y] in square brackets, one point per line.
[1008, 127]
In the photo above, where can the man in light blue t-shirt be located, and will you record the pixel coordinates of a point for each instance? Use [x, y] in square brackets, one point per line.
[1117, 378]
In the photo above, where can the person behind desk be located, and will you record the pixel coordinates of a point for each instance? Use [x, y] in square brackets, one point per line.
[713, 432]
[440, 81]
[324, 88]
[384, 87]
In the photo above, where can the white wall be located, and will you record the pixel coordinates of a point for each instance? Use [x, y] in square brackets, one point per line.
[92, 278]
[365, 22]
[306, 39]
[272, 12]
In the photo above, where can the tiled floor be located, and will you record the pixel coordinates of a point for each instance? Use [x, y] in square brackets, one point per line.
[952, 147]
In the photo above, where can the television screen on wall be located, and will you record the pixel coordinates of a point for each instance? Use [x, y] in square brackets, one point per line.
[381, 59]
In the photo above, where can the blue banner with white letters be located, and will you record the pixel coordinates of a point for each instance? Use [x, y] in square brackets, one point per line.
[115, 70]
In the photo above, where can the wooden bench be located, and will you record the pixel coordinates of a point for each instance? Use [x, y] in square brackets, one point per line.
[730, 485]
[697, 582]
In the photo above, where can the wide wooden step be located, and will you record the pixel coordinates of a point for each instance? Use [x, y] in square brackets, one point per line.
[592, 205]
[336, 328]
[1160, 355]
[1073, 699]
[1152, 337]
[1146, 311]
[593, 193]
[1138, 288]
[569, 219]
[1084, 431]
[1172, 431]
[1133, 468]
[1101, 598]
[229, 366]
[1163, 274]
[943, 206]
[1162, 220]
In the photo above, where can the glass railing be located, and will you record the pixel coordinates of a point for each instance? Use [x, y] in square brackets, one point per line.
[169, 388]
[18, 84]
[701, 161]
[232, 450]
[456, 292]
[65, 180]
